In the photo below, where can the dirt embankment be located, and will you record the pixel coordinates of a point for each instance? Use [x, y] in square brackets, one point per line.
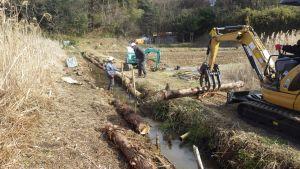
[65, 135]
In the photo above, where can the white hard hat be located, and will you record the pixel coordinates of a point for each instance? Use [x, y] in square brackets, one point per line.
[110, 58]
[133, 44]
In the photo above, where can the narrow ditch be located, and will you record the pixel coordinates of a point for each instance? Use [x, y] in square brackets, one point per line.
[177, 153]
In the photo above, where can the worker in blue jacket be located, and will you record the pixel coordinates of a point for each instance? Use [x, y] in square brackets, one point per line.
[111, 72]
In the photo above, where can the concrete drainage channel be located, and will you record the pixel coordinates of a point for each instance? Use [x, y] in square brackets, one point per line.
[178, 154]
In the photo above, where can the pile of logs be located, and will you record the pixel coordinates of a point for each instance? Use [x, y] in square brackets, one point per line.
[134, 119]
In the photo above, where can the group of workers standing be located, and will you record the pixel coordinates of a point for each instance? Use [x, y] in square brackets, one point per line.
[111, 69]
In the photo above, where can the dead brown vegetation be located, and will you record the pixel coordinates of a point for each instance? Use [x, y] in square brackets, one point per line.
[26, 76]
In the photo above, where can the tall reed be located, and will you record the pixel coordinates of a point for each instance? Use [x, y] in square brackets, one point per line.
[29, 64]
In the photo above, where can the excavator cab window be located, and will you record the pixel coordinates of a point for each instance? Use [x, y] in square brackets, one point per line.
[295, 84]
[284, 64]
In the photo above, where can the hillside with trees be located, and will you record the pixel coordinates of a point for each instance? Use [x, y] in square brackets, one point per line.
[136, 17]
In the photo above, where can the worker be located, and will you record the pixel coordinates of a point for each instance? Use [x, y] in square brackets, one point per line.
[110, 71]
[140, 57]
[295, 49]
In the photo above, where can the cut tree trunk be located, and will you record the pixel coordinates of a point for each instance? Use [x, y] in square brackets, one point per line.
[129, 85]
[127, 81]
[171, 94]
[135, 120]
[93, 60]
[136, 156]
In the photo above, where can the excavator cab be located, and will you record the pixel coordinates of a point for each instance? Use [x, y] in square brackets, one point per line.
[283, 65]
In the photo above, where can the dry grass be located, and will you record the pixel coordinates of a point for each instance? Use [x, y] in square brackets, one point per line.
[238, 71]
[284, 38]
[26, 76]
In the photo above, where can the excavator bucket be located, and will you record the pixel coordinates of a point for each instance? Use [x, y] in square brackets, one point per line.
[290, 2]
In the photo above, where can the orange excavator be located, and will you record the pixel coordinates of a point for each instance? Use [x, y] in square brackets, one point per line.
[277, 104]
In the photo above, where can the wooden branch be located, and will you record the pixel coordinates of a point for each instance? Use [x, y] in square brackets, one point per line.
[171, 94]
[136, 156]
[135, 120]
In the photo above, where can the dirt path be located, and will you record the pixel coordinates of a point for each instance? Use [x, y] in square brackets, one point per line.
[68, 136]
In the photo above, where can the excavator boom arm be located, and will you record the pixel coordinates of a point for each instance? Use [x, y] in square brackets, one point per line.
[245, 36]
[256, 52]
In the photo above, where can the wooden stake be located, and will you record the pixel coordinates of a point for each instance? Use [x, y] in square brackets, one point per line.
[157, 141]
[122, 71]
[135, 107]
[197, 154]
[133, 81]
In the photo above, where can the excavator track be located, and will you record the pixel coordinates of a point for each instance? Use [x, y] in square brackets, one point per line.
[280, 119]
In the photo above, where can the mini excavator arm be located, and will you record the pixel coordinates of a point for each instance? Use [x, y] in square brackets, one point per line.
[251, 43]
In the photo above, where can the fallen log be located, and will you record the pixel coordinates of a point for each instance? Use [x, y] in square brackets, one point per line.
[171, 94]
[92, 60]
[126, 80]
[129, 85]
[135, 120]
[136, 156]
